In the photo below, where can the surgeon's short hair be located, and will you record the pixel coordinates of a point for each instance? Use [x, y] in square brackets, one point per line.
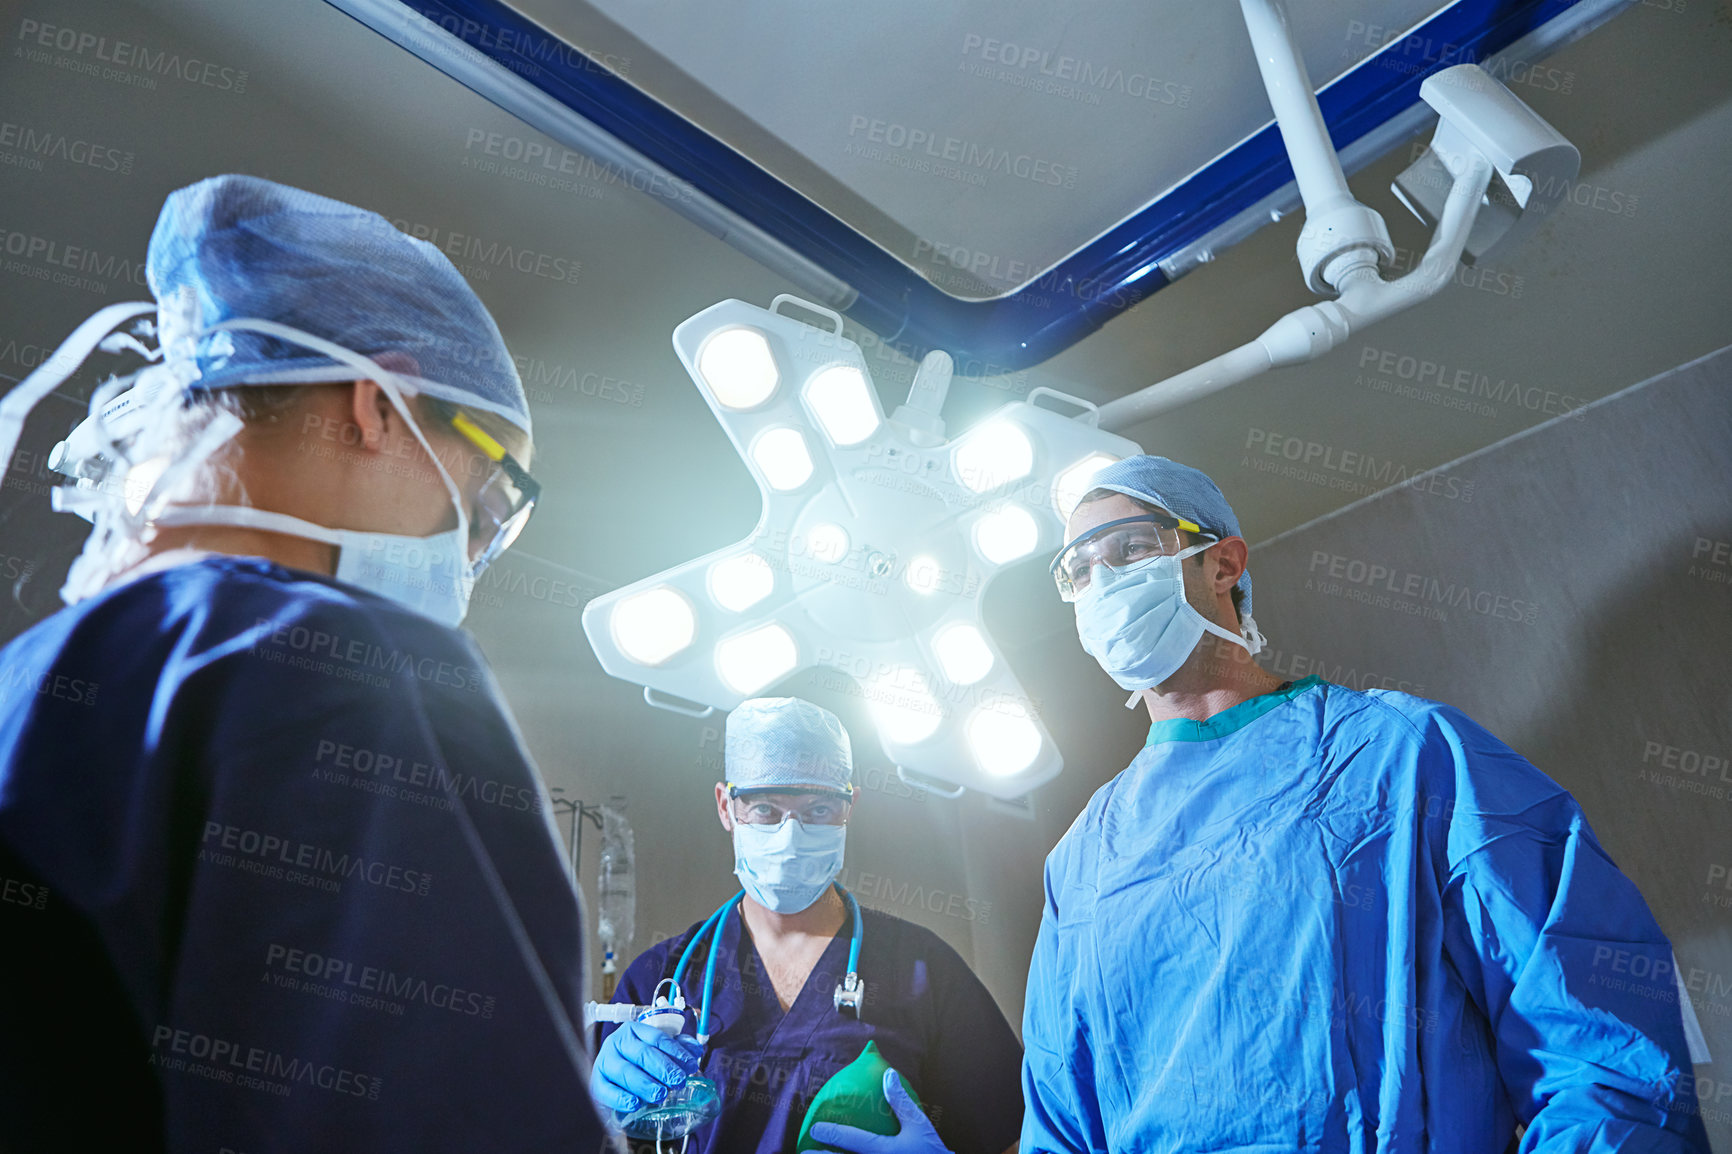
[1094, 495]
[267, 405]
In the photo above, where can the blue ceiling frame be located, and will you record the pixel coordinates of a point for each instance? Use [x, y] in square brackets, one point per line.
[1073, 299]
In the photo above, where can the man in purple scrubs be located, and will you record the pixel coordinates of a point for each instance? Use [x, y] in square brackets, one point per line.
[776, 1033]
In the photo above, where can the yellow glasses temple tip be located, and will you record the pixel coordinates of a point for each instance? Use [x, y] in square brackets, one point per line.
[476, 433]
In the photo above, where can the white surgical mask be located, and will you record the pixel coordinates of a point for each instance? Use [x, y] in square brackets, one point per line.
[1138, 624]
[787, 867]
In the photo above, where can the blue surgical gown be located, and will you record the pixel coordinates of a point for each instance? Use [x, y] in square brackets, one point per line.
[293, 882]
[1341, 921]
[931, 1017]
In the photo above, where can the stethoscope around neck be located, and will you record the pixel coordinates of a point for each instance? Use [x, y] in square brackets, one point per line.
[850, 991]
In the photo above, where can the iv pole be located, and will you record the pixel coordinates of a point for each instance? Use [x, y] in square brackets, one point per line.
[580, 811]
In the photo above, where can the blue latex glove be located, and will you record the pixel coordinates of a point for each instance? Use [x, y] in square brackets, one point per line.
[916, 1135]
[639, 1064]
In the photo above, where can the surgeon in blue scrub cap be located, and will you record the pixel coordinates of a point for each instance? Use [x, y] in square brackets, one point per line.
[1312, 918]
[294, 881]
[778, 1029]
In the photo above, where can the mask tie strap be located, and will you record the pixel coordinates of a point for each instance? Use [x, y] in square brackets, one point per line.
[1254, 635]
[245, 517]
[1251, 641]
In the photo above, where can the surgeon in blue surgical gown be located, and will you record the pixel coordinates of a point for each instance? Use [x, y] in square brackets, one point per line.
[293, 880]
[1312, 918]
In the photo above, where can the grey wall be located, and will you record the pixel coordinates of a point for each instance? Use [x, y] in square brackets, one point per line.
[1571, 589]
[1629, 280]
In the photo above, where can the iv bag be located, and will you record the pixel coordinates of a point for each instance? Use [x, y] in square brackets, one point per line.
[617, 889]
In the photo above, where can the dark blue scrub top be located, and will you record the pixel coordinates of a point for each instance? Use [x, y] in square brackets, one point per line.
[280, 876]
[932, 1019]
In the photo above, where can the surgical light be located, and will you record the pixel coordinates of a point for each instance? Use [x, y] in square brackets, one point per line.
[994, 455]
[1073, 484]
[654, 625]
[827, 543]
[962, 653]
[877, 539]
[1004, 739]
[842, 401]
[1006, 533]
[903, 714]
[751, 660]
[741, 581]
[739, 368]
[783, 457]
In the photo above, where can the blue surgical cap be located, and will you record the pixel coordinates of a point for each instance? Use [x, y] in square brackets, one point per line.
[236, 247]
[1180, 490]
[786, 743]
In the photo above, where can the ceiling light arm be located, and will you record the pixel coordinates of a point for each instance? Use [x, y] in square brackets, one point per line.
[1484, 134]
[1339, 233]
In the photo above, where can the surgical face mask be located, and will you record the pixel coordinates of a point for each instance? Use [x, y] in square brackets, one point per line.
[1138, 625]
[787, 867]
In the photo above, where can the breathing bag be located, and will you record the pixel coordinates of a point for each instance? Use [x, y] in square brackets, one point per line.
[854, 1096]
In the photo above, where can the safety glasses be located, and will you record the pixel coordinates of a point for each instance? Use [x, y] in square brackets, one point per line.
[506, 499]
[775, 808]
[1123, 545]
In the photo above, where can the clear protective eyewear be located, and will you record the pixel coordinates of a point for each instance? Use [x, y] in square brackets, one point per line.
[506, 500]
[775, 808]
[1122, 546]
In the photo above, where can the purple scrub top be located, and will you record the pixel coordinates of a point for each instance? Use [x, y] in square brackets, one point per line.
[931, 1017]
